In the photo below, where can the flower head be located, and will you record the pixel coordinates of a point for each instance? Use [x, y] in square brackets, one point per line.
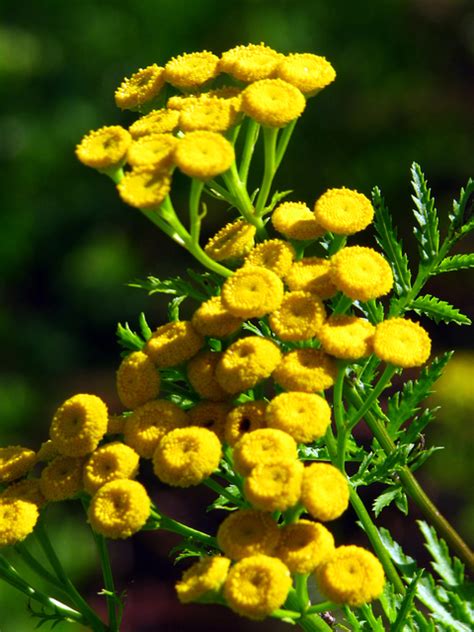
[27, 489]
[15, 462]
[274, 486]
[173, 343]
[296, 221]
[201, 374]
[272, 102]
[154, 151]
[17, 520]
[401, 342]
[212, 319]
[155, 122]
[312, 274]
[252, 292]
[79, 424]
[263, 445]
[343, 211]
[361, 273]
[144, 85]
[309, 73]
[62, 478]
[325, 491]
[105, 147]
[107, 463]
[243, 419]
[210, 415]
[247, 532]
[206, 575]
[191, 70]
[347, 337]
[304, 416]
[208, 113]
[137, 380]
[304, 545]
[47, 451]
[273, 254]
[307, 370]
[250, 63]
[204, 154]
[299, 317]
[144, 187]
[233, 241]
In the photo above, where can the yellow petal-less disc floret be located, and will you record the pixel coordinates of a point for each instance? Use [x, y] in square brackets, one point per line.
[212, 319]
[210, 415]
[299, 317]
[137, 380]
[252, 292]
[208, 113]
[309, 73]
[191, 70]
[154, 151]
[206, 575]
[401, 342]
[246, 362]
[306, 370]
[343, 211]
[274, 486]
[105, 147]
[347, 337]
[107, 463]
[17, 520]
[173, 343]
[243, 419]
[272, 102]
[312, 274]
[233, 241]
[325, 491]
[186, 456]
[304, 416]
[273, 254]
[28, 489]
[119, 509]
[15, 462]
[351, 575]
[304, 545]
[47, 451]
[155, 122]
[248, 532]
[296, 221]
[144, 187]
[62, 478]
[143, 86]
[250, 63]
[204, 155]
[361, 273]
[201, 372]
[263, 445]
[79, 424]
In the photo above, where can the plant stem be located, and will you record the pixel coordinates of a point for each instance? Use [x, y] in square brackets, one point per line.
[168, 524]
[339, 415]
[270, 135]
[195, 217]
[285, 137]
[374, 395]
[37, 567]
[308, 622]
[252, 133]
[209, 482]
[238, 189]
[107, 574]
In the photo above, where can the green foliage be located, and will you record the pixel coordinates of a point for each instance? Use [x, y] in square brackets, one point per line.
[462, 216]
[426, 215]
[454, 263]
[131, 340]
[438, 310]
[199, 286]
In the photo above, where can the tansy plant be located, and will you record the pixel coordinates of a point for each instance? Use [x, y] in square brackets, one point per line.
[296, 336]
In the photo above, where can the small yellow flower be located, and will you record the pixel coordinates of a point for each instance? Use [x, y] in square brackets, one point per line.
[361, 273]
[155, 122]
[325, 491]
[233, 241]
[351, 575]
[304, 416]
[149, 423]
[296, 221]
[206, 575]
[274, 486]
[401, 342]
[105, 147]
[62, 478]
[28, 489]
[115, 424]
[191, 70]
[272, 102]
[144, 85]
[186, 456]
[306, 370]
[108, 463]
[309, 73]
[208, 113]
[304, 545]
[210, 415]
[343, 211]
[17, 520]
[144, 187]
[264, 445]
[137, 380]
[212, 319]
[201, 374]
[252, 292]
[273, 254]
[312, 274]
[79, 424]
[248, 532]
[15, 462]
[250, 63]
[247, 362]
[47, 451]
[347, 337]
[204, 155]
[299, 317]
[173, 343]
[119, 509]
[243, 419]
[154, 151]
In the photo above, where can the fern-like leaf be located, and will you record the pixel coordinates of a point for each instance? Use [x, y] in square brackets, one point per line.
[463, 210]
[426, 215]
[456, 262]
[451, 570]
[128, 339]
[438, 310]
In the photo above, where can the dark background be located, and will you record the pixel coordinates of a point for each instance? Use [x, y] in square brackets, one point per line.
[69, 246]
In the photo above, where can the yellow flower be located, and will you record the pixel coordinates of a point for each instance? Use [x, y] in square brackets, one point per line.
[246, 362]
[243, 419]
[155, 122]
[351, 575]
[264, 445]
[274, 486]
[144, 187]
[296, 221]
[309, 73]
[137, 380]
[304, 545]
[28, 489]
[173, 343]
[212, 319]
[105, 147]
[401, 342]
[186, 456]
[79, 424]
[247, 532]
[325, 491]
[347, 337]
[191, 70]
[208, 113]
[108, 463]
[304, 416]
[115, 424]
[250, 63]
[299, 317]
[233, 241]
[312, 274]
[119, 509]
[149, 423]
[210, 415]
[204, 155]
[154, 151]
[206, 575]
[343, 211]
[272, 102]
[273, 254]
[201, 375]
[361, 273]
[144, 85]
[306, 370]
[47, 451]
[252, 292]
[15, 462]
[17, 520]
[62, 478]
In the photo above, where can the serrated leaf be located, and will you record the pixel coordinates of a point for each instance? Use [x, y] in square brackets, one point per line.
[442, 562]
[462, 209]
[405, 563]
[406, 605]
[438, 310]
[128, 339]
[428, 594]
[385, 499]
[456, 262]
[426, 215]
[144, 327]
[413, 432]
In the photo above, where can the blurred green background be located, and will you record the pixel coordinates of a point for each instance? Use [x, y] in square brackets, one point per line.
[69, 246]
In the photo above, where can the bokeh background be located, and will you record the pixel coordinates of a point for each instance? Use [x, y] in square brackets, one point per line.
[69, 246]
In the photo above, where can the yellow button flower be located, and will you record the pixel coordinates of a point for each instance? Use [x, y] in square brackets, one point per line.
[309, 73]
[62, 478]
[204, 155]
[247, 532]
[263, 445]
[206, 575]
[17, 520]
[243, 419]
[252, 292]
[250, 63]
[272, 102]
[361, 273]
[401, 342]
[299, 317]
[343, 211]
[144, 187]
[210, 415]
[312, 274]
[304, 416]
[79, 424]
[173, 343]
[347, 337]
[155, 122]
[304, 545]
[15, 462]
[325, 491]
[28, 489]
[273, 254]
[191, 70]
[296, 221]
[274, 486]
[201, 372]
[105, 147]
[306, 370]
[144, 85]
[233, 241]
[208, 113]
[154, 151]
[137, 380]
[47, 451]
[107, 463]
[212, 319]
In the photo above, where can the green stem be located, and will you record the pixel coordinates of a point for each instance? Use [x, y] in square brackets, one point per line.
[369, 615]
[280, 613]
[245, 206]
[301, 587]
[270, 135]
[114, 623]
[253, 131]
[308, 622]
[195, 217]
[324, 606]
[37, 567]
[168, 524]
[114, 173]
[212, 188]
[285, 137]
[339, 414]
[373, 397]
[209, 482]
